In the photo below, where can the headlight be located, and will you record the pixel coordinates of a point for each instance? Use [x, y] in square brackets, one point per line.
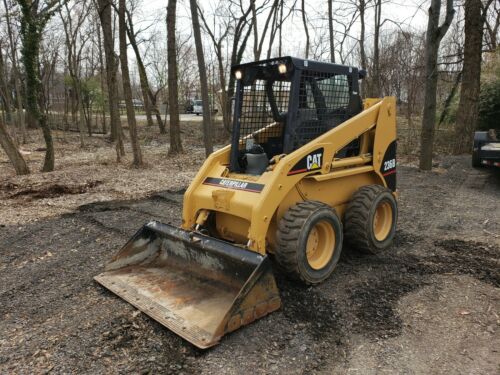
[282, 68]
[238, 74]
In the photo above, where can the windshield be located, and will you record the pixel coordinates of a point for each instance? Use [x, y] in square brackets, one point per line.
[198, 103]
[264, 103]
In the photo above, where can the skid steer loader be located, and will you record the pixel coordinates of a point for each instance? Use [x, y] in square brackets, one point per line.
[309, 165]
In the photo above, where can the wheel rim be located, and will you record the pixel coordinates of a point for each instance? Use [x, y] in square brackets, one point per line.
[320, 245]
[382, 221]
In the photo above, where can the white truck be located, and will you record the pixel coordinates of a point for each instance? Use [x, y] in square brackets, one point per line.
[197, 107]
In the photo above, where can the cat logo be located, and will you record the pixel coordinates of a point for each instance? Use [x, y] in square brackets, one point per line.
[310, 162]
[314, 161]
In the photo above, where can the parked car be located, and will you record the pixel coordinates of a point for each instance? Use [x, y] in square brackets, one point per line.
[486, 151]
[197, 107]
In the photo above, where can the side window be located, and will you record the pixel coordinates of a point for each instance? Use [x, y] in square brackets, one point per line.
[335, 91]
[306, 97]
[310, 97]
[281, 92]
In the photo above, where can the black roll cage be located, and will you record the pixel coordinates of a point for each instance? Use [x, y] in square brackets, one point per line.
[295, 67]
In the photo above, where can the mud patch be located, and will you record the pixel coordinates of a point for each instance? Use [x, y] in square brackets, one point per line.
[167, 196]
[376, 303]
[154, 349]
[375, 300]
[310, 312]
[469, 248]
[472, 258]
[53, 190]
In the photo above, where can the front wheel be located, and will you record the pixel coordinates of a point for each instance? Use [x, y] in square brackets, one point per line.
[309, 241]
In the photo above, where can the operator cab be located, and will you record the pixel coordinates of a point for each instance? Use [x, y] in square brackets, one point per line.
[283, 103]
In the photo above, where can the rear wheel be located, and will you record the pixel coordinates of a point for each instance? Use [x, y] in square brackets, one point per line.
[370, 219]
[309, 241]
[476, 161]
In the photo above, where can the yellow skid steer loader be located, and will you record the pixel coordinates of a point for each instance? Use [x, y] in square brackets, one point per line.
[309, 165]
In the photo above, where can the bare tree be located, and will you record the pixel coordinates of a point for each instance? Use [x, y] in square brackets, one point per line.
[217, 42]
[17, 74]
[149, 108]
[5, 94]
[468, 107]
[101, 74]
[72, 21]
[173, 92]
[207, 122]
[105, 9]
[127, 89]
[376, 50]
[434, 35]
[34, 18]
[362, 52]
[330, 31]
[12, 152]
[492, 23]
[6, 140]
[259, 41]
[277, 26]
[306, 28]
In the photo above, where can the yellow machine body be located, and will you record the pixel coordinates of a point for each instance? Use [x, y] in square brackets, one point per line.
[250, 217]
[213, 275]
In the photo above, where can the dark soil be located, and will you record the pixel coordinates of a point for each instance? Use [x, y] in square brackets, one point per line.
[54, 190]
[429, 304]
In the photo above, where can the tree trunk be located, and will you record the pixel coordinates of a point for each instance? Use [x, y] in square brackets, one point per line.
[81, 119]
[207, 123]
[154, 106]
[17, 76]
[12, 152]
[143, 78]
[376, 92]
[330, 30]
[5, 90]
[468, 107]
[32, 26]
[362, 52]
[255, 32]
[280, 36]
[127, 89]
[111, 70]
[432, 41]
[306, 29]
[173, 93]
[49, 161]
[449, 98]
[101, 77]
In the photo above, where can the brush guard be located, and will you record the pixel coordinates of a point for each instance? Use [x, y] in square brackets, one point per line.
[197, 286]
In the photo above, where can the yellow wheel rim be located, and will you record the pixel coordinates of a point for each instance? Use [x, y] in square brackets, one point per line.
[382, 221]
[320, 245]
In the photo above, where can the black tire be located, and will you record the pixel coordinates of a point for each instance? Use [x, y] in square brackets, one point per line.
[293, 234]
[476, 160]
[360, 216]
[480, 137]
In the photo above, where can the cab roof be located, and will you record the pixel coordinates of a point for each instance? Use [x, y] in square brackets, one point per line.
[303, 64]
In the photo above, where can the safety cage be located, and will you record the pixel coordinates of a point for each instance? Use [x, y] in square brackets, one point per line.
[283, 103]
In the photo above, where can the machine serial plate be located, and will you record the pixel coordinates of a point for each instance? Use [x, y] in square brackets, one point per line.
[234, 184]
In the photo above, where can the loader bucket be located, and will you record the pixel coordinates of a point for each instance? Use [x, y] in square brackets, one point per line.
[197, 286]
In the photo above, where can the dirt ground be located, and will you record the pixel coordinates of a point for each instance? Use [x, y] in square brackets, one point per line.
[429, 304]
